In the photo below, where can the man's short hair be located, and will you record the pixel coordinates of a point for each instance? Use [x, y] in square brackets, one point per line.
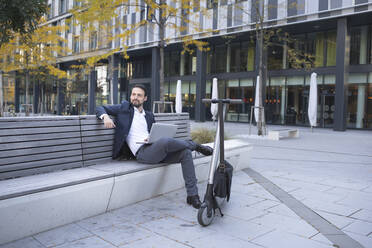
[141, 86]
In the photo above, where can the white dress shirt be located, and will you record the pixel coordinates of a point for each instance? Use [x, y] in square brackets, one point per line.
[138, 131]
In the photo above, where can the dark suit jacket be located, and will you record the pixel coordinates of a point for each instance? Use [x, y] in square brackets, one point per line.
[123, 121]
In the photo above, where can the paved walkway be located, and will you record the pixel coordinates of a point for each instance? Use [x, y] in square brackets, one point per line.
[314, 191]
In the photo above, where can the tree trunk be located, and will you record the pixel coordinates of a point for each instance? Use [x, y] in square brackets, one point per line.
[161, 54]
[260, 73]
[1, 95]
[27, 74]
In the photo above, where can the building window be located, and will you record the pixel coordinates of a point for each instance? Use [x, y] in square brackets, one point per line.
[359, 45]
[273, 9]
[295, 7]
[62, 6]
[331, 48]
[93, 40]
[76, 44]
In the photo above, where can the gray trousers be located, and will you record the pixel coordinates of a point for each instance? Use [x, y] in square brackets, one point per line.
[170, 150]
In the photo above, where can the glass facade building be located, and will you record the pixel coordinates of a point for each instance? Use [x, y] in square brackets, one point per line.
[314, 30]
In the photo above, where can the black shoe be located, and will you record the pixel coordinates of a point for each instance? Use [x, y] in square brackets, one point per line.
[205, 150]
[194, 201]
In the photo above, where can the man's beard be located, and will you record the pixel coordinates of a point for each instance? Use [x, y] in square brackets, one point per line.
[137, 104]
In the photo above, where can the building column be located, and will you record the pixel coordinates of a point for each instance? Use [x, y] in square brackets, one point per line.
[360, 105]
[17, 91]
[155, 75]
[201, 66]
[342, 74]
[114, 61]
[92, 84]
[182, 65]
[60, 97]
[36, 96]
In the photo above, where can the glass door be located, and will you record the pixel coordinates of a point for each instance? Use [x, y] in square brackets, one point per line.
[328, 109]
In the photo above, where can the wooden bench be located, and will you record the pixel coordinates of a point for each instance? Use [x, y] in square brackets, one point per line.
[281, 133]
[57, 170]
[43, 144]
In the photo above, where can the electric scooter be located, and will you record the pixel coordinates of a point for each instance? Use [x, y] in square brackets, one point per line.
[211, 202]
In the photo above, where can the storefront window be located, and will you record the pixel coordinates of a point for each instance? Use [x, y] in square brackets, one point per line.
[275, 55]
[276, 95]
[358, 45]
[331, 48]
[295, 107]
[76, 94]
[8, 94]
[356, 99]
[233, 92]
[247, 90]
[103, 86]
[247, 56]
[368, 116]
[221, 58]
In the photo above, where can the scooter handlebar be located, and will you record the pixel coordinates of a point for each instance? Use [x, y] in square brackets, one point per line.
[229, 101]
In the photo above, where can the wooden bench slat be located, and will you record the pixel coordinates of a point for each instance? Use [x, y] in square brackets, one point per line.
[37, 150]
[36, 137]
[98, 132]
[41, 163]
[41, 130]
[31, 171]
[30, 124]
[97, 150]
[39, 157]
[86, 145]
[41, 143]
[88, 139]
[107, 154]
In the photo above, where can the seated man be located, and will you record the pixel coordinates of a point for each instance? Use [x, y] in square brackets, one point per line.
[133, 124]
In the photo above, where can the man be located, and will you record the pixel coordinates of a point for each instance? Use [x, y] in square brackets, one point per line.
[133, 124]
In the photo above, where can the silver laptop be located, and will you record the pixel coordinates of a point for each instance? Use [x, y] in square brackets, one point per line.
[160, 130]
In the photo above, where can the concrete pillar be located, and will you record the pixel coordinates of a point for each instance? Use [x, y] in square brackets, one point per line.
[92, 84]
[363, 45]
[200, 85]
[282, 104]
[60, 97]
[155, 75]
[17, 91]
[228, 58]
[182, 65]
[114, 78]
[360, 106]
[342, 74]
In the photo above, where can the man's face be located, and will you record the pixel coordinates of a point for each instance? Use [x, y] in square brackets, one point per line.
[137, 97]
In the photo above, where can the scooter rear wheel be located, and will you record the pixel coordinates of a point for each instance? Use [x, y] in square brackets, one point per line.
[203, 218]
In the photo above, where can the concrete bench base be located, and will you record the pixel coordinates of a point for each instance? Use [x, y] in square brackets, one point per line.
[23, 214]
[282, 133]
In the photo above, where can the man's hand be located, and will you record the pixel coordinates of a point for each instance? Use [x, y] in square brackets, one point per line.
[108, 122]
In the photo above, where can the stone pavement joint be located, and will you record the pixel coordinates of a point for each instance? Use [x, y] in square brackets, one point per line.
[331, 232]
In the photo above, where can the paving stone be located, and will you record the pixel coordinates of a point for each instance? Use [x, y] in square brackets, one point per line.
[360, 201]
[266, 204]
[359, 227]
[29, 242]
[316, 195]
[363, 240]
[154, 241]
[137, 213]
[277, 239]
[91, 242]
[102, 220]
[330, 207]
[221, 240]
[322, 239]
[364, 214]
[288, 224]
[176, 229]
[238, 228]
[282, 209]
[62, 235]
[337, 220]
[121, 234]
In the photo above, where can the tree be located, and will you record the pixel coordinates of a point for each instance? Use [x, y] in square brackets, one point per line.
[34, 55]
[19, 16]
[178, 16]
[266, 35]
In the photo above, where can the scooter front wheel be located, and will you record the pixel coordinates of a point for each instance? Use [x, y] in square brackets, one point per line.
[205, 218]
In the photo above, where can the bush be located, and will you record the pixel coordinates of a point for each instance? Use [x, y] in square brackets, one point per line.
[204, 135]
